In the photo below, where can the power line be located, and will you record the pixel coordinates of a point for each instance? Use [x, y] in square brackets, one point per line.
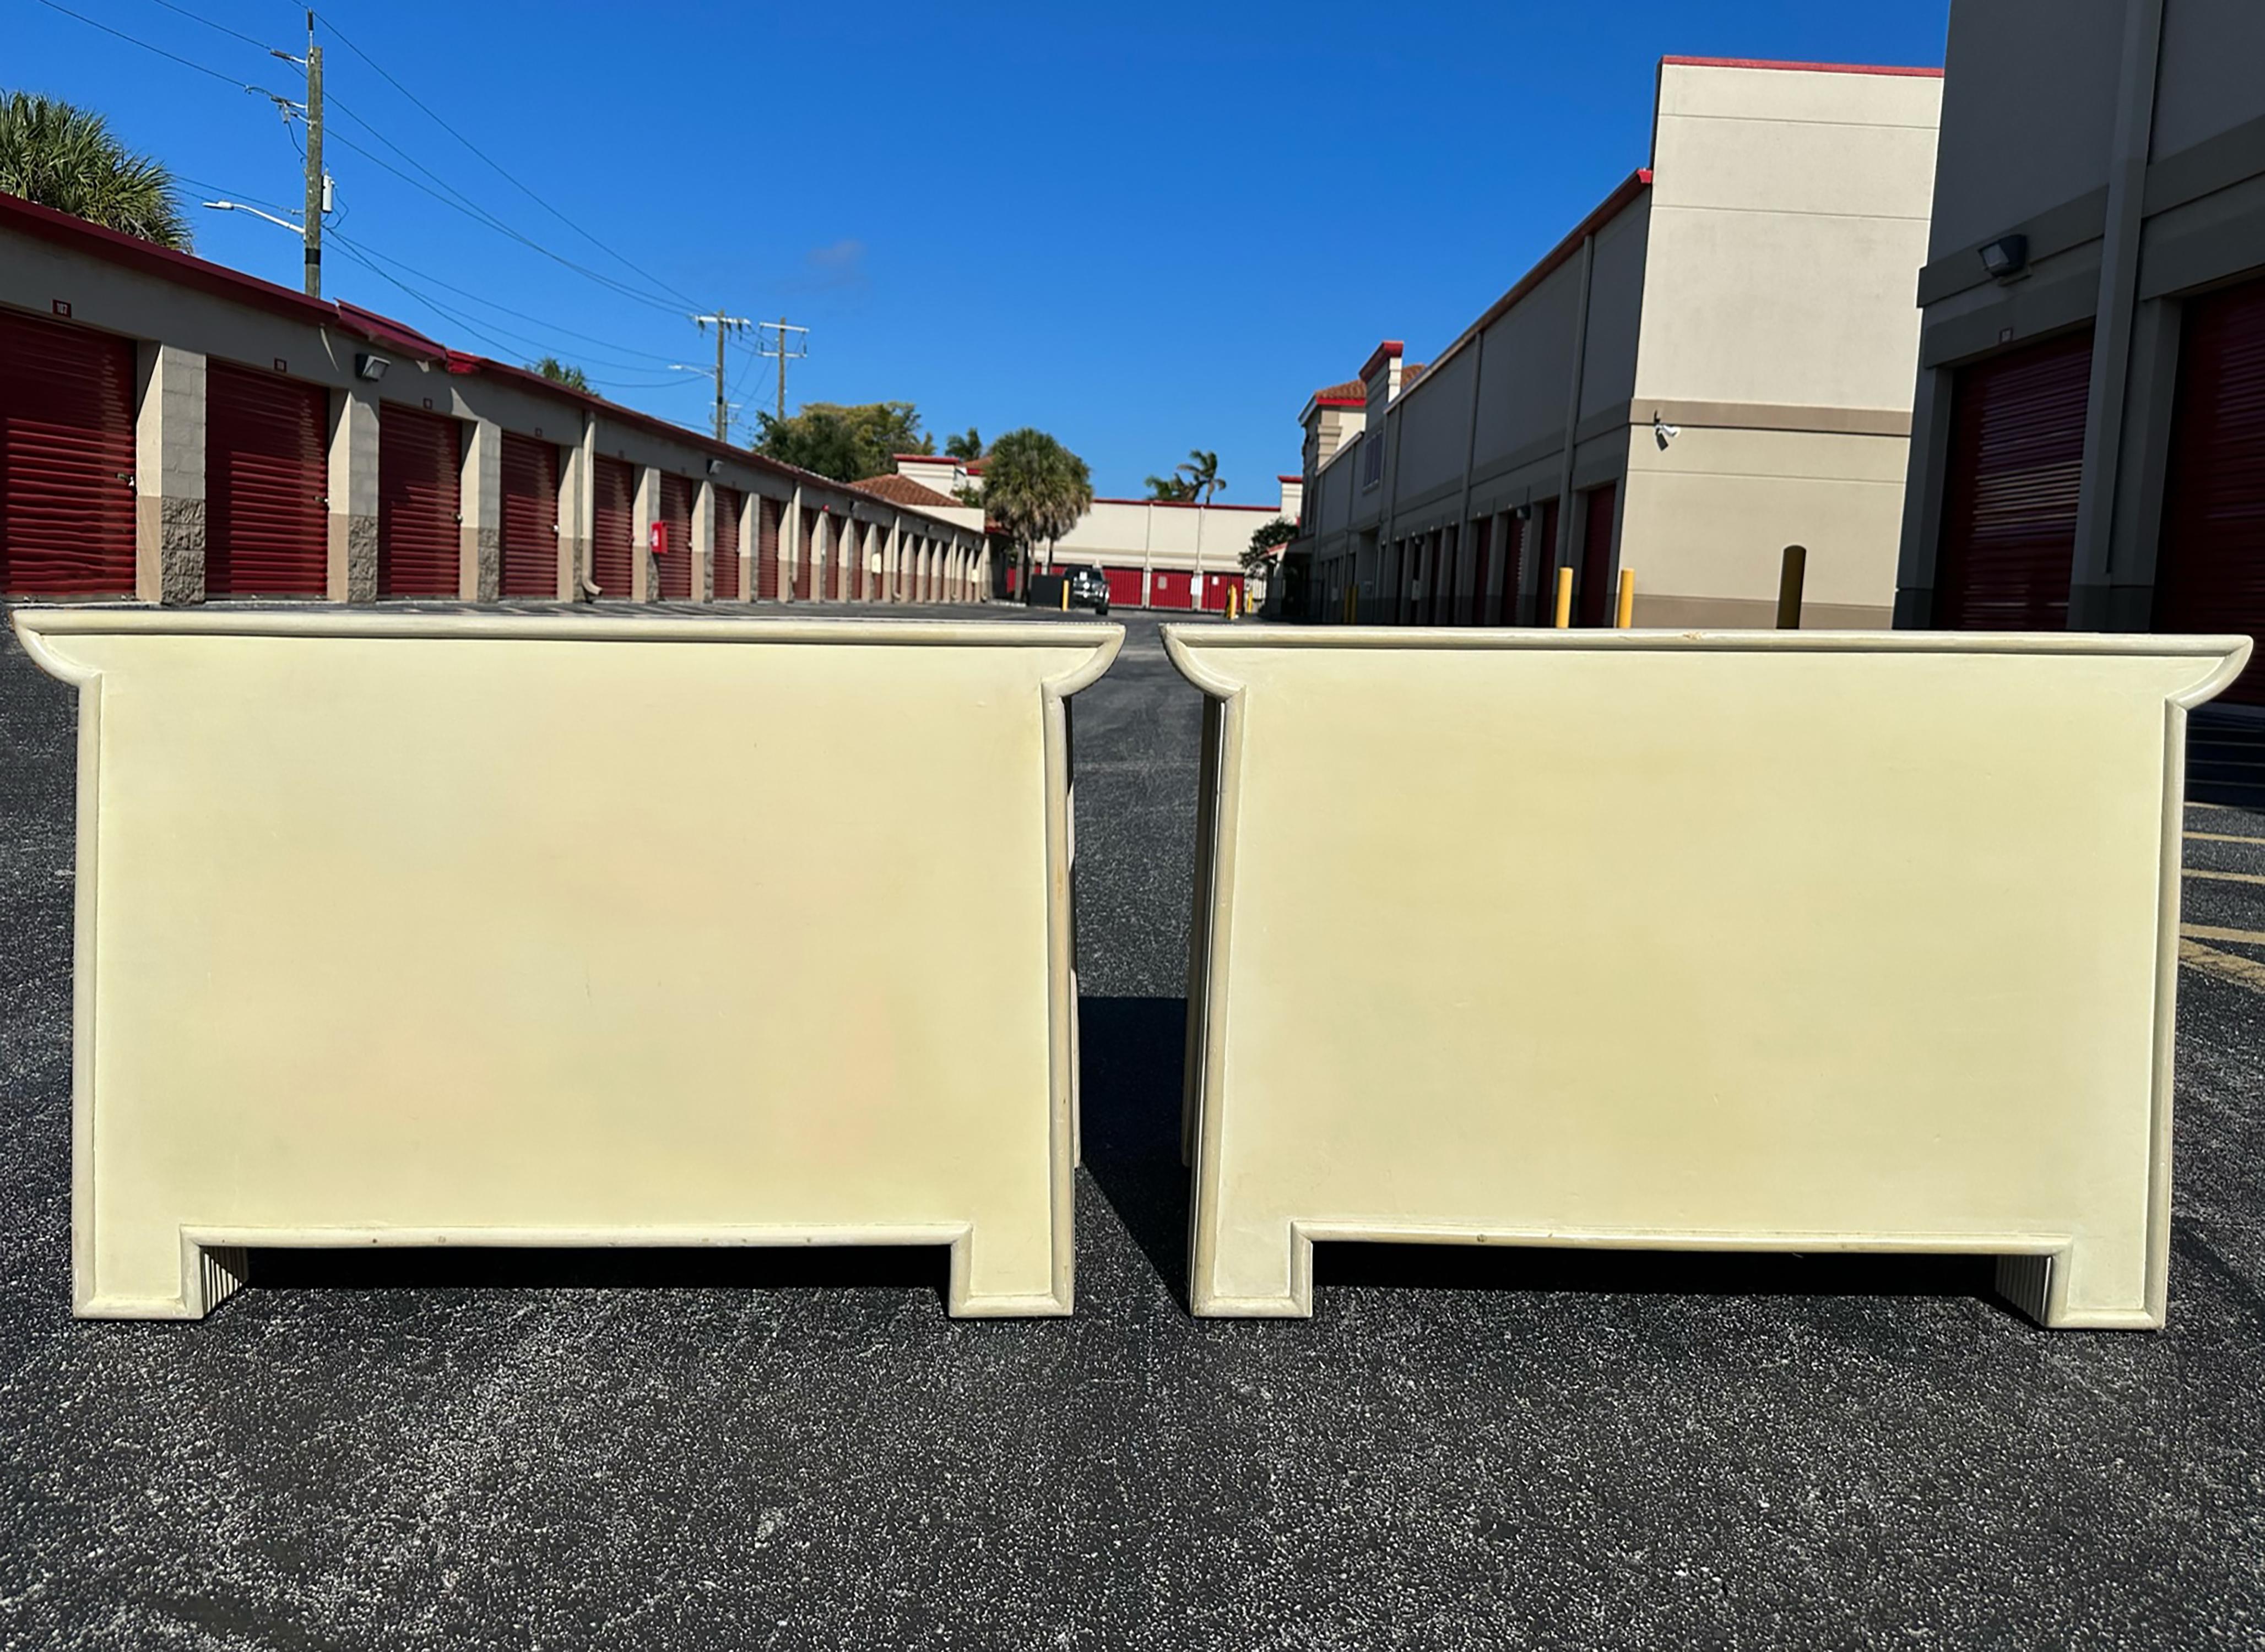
[196, 17]
[496, 339]
[489, 221]
[479, 215]
[210, 188]
[477, 298]
[370, 261]
[449, 193]
[185, 62]
[495, 167]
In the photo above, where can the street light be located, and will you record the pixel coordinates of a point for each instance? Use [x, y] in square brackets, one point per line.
[237, 205]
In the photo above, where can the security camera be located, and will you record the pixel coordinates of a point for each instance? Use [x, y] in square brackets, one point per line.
[1663, 433]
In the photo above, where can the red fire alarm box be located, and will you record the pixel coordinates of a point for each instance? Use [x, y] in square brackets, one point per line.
[657, 539]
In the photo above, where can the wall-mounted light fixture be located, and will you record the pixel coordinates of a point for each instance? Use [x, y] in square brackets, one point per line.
[2006, 258]
[715, 467]
[370, 367]
[1521, 513]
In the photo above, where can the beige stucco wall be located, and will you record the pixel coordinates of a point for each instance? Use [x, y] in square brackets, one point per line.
[1138, 532]
[1704, 524]
[1788, 221]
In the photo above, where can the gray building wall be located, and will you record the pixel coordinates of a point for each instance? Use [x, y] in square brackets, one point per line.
[2125, 139]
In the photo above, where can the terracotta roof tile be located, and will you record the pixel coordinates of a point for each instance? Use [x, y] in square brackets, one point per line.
[902, 490]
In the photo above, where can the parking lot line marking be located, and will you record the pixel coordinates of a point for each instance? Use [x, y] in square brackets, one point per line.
[2241, 971]
[2226, 877]
[2221, 837]
[2208, 932]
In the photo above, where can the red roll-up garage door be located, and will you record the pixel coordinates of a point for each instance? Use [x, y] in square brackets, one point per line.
[66, 459]
[1473, 608]
[420, 473]
[266, 475]
[806, 587]
[1543, 528]
[2009, 497]
[674, 563]
[724, 582]
[1124, 587]
[1218, 589]
[1597, 556]
[1517, 536]
[767, 549]
[613, 536]
[2210, 569]
[1168, 590]
[530, 517]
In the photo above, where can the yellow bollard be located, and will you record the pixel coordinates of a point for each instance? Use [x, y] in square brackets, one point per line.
[1564, 598]
[1065, 588]
[1624, 617]
[1789, 587]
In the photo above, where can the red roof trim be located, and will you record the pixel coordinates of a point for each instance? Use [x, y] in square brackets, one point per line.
[927, 458]
[1816, 68]
[392, 334]
[1290, 478]
[1610, 207]
[184, 268]
[1340, 401]
[1384, 351]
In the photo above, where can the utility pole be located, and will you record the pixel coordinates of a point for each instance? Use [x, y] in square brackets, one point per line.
[784, 348]
[725, 325]
[315, 179]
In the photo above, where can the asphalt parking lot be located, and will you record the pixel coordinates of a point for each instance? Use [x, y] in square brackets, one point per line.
[1462, 1448]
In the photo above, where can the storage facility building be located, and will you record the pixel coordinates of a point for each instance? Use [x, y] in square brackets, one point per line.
[1716, 363]
[2089, 442]
[176, 430]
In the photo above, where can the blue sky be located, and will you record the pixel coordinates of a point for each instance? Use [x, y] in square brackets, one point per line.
[1145, 229]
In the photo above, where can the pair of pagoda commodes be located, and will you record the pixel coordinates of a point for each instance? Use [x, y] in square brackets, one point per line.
[404, 929]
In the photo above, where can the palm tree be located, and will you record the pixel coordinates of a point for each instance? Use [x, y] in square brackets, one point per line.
[969, 445]
[55, 155]
[1033, 489]
[1171, 489]
[559, 372]
[1202, 471]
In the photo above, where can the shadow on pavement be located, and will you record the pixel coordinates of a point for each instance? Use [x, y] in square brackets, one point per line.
[1651, 1272]
[1129, 1059]
[671, 1268]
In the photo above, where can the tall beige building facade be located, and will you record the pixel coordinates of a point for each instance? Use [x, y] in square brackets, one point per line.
[1716, 363]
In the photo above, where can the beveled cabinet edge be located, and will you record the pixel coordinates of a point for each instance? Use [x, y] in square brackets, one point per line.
[2025, 1273]
[35, 626]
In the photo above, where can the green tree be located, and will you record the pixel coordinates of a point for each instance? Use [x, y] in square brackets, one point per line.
[968, 445]
[1202, 472]
[1263, 539]
[1034, 489]
[561, 373]
[845, 443]
[64, 157]
[1171, 489]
